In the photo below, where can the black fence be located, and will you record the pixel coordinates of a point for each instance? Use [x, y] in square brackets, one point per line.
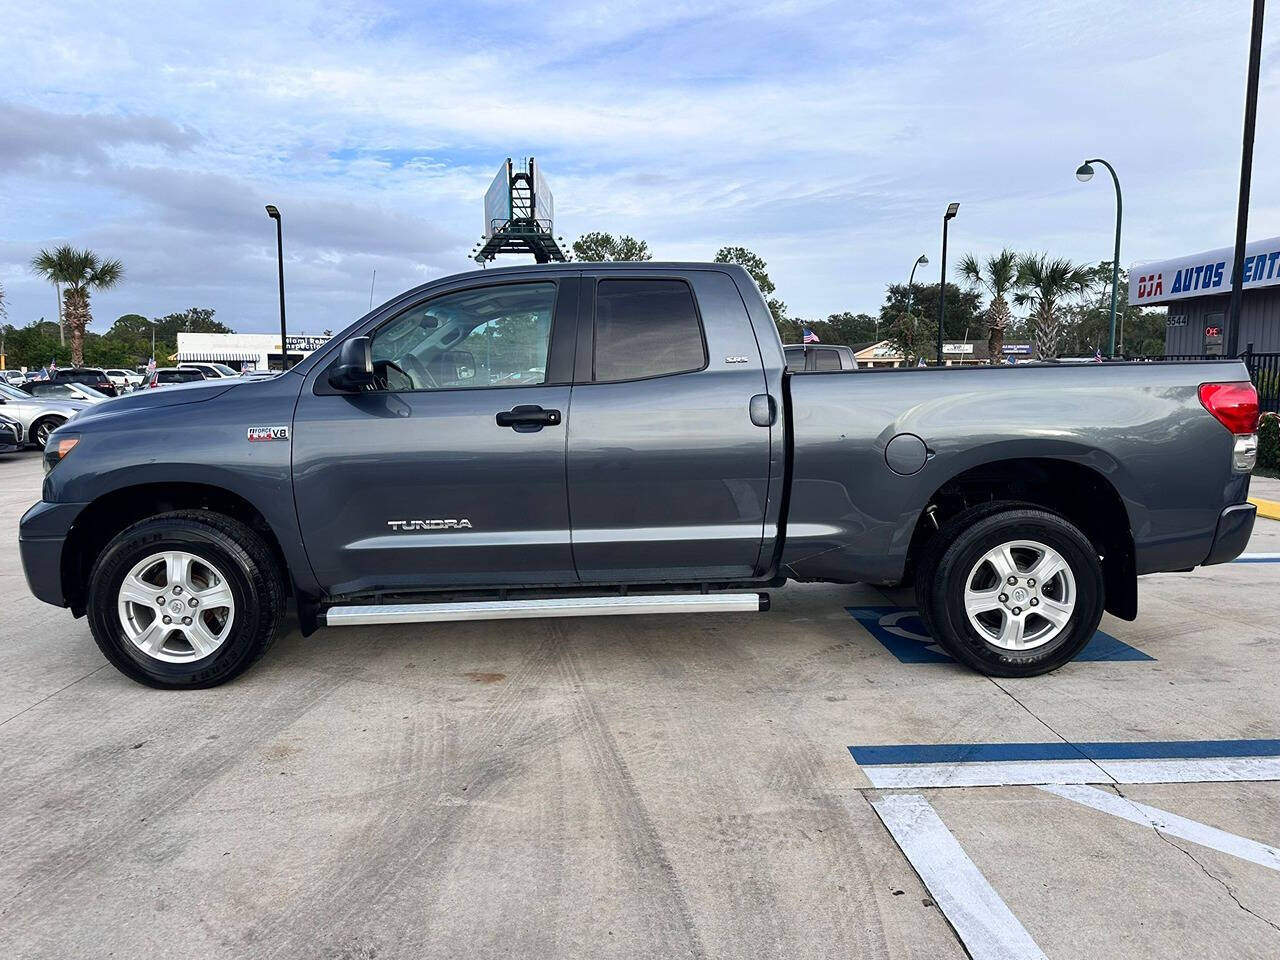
[1264, 371]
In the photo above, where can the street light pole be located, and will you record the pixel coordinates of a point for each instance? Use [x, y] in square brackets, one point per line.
[274, 214]
[922, 259]
[952, 210]
[1246, 175]
[1084, 173]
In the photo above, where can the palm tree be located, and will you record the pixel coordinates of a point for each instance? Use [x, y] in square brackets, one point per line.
[81, 272]
[997, 278]
[1042, 283]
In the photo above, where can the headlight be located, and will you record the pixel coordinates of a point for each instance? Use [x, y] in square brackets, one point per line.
[57, 448]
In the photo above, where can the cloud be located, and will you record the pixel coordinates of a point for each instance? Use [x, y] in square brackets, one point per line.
[829, 143]
[28, 133]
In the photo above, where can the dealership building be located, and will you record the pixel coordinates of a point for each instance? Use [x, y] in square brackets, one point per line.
[1196, 289]
[252, 351]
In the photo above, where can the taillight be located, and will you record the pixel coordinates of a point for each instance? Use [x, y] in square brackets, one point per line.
[1234, 405]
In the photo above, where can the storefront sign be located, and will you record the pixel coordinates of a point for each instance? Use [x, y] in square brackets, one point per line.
[1204, 274]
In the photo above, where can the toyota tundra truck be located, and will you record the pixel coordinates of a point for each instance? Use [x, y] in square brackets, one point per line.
[582, 439]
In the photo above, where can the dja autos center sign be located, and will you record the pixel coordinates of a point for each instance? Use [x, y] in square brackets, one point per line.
[1204, 274]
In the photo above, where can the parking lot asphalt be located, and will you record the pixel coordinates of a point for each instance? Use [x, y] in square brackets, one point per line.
[635, 787]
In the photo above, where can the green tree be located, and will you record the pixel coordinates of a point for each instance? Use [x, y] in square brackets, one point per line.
[997, 277]
[598, 247]
[963, 308]
[756, 266]
[914, 336]
[81, 272]
[1043, 285]
[1087, 324]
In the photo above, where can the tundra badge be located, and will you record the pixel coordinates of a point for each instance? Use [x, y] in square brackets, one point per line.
[406, 525]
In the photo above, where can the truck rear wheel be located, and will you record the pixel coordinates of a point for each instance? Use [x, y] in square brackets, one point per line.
[1011, 591]
[185, 600]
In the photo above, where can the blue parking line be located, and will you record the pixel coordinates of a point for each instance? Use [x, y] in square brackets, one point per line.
[896, 754]
[901, 631]
[1257, 558]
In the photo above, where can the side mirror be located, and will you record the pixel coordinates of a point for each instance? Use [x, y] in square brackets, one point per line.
[354, 369]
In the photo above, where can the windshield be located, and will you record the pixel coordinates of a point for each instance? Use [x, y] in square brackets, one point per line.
[12, 393]
[88, 391]
[223, 369]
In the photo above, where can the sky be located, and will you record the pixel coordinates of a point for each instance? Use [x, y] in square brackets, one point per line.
[826, 137]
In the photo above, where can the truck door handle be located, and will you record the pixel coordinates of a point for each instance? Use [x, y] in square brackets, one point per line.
[528, 418]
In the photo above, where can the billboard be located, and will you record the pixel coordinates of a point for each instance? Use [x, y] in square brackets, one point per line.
[543, 205]
[497, 201]
[1204, 274]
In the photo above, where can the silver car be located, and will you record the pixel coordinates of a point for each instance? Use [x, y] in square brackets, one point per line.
[39, 416]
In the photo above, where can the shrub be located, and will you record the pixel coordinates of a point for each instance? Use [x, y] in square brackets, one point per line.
[1269, 442]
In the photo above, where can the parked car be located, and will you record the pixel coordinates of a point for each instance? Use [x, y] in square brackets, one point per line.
[386, 479]
[167, 376]
[10, 434]
[39, 416]
[211, 371]
[60, 389]
[14, 377]
[124, 380]
[92, 376]
[820, 357]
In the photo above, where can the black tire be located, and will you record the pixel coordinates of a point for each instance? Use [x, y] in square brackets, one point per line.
[252, 574]
[41, 429]
[949, 558]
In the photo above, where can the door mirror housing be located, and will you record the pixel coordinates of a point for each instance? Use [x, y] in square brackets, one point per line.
[354, 369]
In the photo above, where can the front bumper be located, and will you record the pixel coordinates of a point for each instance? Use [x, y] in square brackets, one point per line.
[1235, 526]
[42, 535]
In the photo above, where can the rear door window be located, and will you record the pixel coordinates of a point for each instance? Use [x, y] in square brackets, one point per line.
[646, 328]
[827, 359]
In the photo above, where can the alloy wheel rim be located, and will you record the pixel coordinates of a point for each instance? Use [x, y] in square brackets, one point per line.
[176, 607]
[1020, 595]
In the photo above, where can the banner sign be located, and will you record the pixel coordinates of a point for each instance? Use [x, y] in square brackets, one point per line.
[957, 348]
[1204, 274]
[304, 344]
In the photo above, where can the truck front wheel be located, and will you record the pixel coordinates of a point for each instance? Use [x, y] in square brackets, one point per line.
[185, 600]
[1011, 592]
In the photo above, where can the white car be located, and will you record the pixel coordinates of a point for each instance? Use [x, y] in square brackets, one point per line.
[211, 371]
[124, 380]
[15, 377]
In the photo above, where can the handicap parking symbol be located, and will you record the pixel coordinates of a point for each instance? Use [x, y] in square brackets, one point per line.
[901, 631]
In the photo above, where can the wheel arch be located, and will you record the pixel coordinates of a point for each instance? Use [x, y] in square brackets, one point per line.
[106, 516]
[59, 418]
[1077, 491]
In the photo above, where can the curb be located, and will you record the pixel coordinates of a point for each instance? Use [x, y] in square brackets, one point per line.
[1266, 508]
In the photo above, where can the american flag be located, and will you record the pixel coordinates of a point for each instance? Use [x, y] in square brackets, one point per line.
[809, 335]
[151, 366]
[53, 367]
[1097, 355]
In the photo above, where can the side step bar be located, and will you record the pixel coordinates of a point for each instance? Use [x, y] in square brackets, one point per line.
[368, 614]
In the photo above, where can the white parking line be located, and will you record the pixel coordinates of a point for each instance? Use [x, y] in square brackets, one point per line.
[1007, 773]
[1170, 823]
[983, 921]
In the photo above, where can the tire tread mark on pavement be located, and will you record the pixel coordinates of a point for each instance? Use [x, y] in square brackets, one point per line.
[630, 819]
[200, 766]
[414, 837]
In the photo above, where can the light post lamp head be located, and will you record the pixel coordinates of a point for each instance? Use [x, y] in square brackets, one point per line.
[272, 211]
[1084, 172]
[922, 260]
[952, 210]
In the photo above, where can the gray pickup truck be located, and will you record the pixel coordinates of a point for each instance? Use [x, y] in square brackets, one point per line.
[581, 439]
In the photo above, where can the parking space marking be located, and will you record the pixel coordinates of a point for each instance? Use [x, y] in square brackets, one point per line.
[1170, 823]
[1257, 558]
[1014, 764]
[983, 921]
[900, 631]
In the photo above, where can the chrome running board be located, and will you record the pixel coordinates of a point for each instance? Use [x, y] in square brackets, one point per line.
[369, 614]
